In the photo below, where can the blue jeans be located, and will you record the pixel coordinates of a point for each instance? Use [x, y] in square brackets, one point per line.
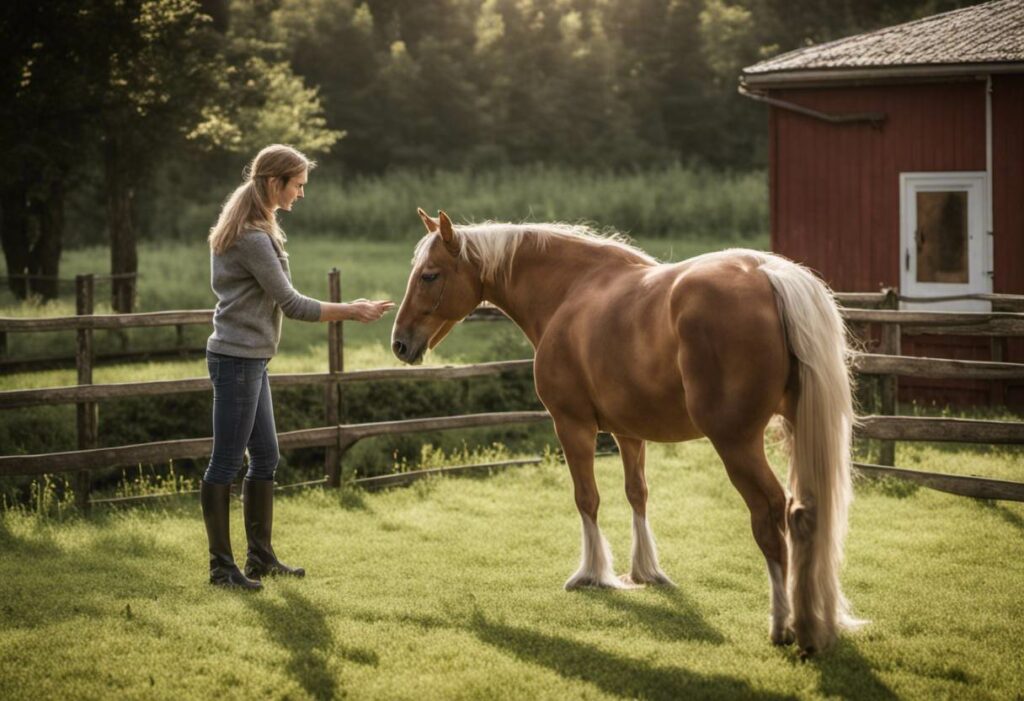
[243, 417]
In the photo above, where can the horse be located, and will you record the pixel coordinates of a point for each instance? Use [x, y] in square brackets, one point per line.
[714, 346]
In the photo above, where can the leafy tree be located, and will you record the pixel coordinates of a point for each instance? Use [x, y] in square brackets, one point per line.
[45, 90]
[147, 81]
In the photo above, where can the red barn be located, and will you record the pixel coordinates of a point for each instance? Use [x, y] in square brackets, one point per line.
[896, 159]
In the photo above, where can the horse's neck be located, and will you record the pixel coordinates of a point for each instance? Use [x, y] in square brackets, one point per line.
[540, 282]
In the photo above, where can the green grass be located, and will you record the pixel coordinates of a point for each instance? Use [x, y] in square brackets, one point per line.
[452, 589]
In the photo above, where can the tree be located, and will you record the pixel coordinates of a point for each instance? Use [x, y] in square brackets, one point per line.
[45, 80]
[144, 80]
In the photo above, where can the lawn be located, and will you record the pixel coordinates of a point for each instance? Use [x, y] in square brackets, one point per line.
[452, 589]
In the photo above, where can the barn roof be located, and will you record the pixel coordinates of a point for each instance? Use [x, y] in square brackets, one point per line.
[983, 38]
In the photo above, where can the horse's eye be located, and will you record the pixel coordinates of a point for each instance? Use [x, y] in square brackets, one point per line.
[429, 277]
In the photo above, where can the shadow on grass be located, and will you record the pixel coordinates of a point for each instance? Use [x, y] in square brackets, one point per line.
[678, 619]
[97, 576]
[613, 674]
[1003, 512]
[39, 543]
[846, 674]
[299, 627]
[352, 498]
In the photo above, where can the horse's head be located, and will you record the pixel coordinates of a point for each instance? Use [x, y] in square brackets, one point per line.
[443, 288]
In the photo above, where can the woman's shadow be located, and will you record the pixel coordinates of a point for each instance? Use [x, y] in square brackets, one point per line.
[300, 629]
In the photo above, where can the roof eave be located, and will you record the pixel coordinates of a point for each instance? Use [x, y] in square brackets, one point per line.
[831, 76]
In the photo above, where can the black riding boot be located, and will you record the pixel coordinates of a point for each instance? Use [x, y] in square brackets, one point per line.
[224, 572]
[258, 496]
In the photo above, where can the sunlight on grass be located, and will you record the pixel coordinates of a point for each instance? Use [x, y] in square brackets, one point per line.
[453, 589]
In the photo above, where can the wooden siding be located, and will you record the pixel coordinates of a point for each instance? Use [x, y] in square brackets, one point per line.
[836, 186]
[834, 192]
[1008, 204]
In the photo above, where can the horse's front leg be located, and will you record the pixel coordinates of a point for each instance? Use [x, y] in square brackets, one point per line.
[595, 568]
[645, 568]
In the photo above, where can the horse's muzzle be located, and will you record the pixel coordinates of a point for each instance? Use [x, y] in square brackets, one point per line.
[405, 353]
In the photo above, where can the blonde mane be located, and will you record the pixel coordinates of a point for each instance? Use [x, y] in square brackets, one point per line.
[492, 245]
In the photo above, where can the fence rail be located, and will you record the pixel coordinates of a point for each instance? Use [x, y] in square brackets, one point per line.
[935, 368]
[339, 437]
[13, 399]
[343, 436]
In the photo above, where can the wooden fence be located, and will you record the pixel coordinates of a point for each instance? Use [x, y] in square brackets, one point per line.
[338, 438]
[85, 292]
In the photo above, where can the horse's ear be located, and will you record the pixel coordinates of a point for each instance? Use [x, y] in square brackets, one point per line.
[428, 222]
[445, 225]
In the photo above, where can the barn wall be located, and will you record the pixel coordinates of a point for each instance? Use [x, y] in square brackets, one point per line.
[835, 196]
[836, 186]
[1008, 204]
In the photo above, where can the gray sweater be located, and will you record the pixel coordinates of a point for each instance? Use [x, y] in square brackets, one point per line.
[254, 287]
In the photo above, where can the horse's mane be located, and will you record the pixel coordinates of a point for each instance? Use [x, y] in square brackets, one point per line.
[492, 245]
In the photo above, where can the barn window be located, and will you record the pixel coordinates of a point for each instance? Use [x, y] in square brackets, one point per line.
[943, 239]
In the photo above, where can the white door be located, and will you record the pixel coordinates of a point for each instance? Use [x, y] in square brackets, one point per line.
[944, 240]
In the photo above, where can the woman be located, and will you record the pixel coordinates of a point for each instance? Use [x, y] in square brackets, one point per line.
[250, 276]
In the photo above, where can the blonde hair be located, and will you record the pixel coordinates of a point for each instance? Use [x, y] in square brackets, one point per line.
[251, 205]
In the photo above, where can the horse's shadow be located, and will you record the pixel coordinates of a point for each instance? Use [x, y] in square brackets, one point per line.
[613, 674]
[678, 619]
[846, 674]
[300, 628]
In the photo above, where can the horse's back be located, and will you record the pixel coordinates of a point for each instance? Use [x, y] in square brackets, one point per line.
[649, 345]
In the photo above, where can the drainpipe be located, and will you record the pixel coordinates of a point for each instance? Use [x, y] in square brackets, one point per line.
[989, 216]
[874, 118]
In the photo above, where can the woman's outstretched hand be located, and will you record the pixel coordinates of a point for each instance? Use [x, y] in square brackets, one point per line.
[361, 310]
[366, 311]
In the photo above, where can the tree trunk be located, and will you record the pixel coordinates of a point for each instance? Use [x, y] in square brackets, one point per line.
[14, 236]
[124, 258]
[45, 254]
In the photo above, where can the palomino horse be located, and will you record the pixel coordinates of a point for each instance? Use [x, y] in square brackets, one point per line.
[713, 346]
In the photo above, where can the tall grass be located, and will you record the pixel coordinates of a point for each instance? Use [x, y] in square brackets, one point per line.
[676, 201]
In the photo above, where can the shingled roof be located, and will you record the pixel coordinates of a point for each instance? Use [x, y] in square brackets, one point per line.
[989, 35]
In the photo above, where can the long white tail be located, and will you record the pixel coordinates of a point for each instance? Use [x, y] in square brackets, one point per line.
[819, 467]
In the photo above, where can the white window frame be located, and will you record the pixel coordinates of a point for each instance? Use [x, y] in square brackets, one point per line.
[979, 262]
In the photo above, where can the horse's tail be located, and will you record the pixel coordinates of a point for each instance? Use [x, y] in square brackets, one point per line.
[819, 467]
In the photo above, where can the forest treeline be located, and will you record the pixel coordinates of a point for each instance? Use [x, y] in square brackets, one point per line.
[109, 105]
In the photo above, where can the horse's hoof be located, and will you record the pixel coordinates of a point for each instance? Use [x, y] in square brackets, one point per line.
[806, 653]
[628, 582]
[786, 636]
[587, 582]
[658, 578]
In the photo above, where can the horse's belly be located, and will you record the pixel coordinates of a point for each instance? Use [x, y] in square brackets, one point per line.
[658, 416]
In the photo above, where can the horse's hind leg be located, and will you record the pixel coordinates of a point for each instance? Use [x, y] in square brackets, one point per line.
[750, 473]
[645, 568]
[595, 568]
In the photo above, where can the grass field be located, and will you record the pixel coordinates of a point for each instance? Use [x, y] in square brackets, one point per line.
[452, 589]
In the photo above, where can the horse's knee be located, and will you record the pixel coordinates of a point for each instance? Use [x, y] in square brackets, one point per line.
[587, 500]
[636, 494]
[768, 522]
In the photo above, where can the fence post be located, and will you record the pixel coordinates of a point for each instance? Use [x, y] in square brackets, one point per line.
[890, 345]
[87, 411]
[997, 392]
[332, 392]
